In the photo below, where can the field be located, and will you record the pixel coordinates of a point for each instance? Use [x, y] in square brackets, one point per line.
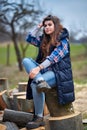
[79, 64]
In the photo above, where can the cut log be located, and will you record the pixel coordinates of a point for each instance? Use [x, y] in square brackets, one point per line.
[69, 122]
[12, 103]
[2, 127]
[56, 109]
[22, 86]
[39, 128]
[16, 105]
[84, 121]
[25, 105]
[18, 117]
[28, 105]
[46, 111]
[19, 94]
[23, 129]
[4, 101]
[1, 116]
[3, 84]
[10, 126]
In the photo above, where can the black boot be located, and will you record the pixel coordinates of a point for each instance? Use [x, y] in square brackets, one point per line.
[35, 123]
[43, 86]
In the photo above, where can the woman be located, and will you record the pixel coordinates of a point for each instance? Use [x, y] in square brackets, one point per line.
[51, 68]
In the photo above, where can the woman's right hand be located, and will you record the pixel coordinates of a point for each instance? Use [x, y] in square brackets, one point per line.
[40, 25]
[34, 72]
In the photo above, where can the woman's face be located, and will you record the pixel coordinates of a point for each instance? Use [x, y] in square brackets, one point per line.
[49, 27]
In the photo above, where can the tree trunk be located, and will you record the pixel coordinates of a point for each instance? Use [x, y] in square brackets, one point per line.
[18, 55]
[17, 50]
[8, 54]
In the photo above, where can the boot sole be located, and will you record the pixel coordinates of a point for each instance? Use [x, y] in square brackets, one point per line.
[33, 126]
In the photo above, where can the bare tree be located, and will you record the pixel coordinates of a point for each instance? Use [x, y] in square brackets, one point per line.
[17, 17]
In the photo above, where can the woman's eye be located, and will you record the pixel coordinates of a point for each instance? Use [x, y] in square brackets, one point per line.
[49, 24]
[45, 25]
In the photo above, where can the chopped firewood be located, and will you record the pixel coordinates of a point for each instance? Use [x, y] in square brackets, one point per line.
[3, 84]
[25, 105]
[2, 127]
[22, 86]
[4, 102]
[39, 128]
[18, 117]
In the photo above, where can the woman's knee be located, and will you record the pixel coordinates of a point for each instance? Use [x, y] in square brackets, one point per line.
[25, 61]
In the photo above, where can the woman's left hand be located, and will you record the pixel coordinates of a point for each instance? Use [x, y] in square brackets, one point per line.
[34, 72]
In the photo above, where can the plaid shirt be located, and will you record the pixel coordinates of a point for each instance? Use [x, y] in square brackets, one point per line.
[57, 54]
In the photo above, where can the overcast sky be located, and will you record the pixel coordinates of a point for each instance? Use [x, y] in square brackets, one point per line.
[72, 12]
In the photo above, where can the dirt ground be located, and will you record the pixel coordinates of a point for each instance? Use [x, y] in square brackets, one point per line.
[80, 103]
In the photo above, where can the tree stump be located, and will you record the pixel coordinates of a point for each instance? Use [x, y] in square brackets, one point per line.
[62, 117]
[69, 122]
[22, 86]
[3, 84]
[56, 109]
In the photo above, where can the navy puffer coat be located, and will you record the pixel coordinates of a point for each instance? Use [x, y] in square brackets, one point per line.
[64, 76]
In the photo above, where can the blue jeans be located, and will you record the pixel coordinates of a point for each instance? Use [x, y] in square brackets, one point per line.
[48, 76]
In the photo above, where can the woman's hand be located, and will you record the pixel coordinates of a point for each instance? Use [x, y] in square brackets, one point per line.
[34, 72]
[40, 25]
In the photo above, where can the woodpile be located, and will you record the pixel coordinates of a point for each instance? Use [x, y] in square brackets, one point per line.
[16, 111]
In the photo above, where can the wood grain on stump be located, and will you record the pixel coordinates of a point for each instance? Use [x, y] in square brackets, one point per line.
[70, 122]
[56, 109]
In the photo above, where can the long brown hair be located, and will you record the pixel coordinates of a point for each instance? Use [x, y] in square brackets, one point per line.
[47, 40]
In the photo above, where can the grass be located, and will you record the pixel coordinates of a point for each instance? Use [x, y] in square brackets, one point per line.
[79, 64]
[31, 52]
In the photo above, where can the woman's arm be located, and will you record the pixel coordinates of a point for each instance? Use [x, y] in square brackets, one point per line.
[56, 55]
[33, 37]
[59, 52]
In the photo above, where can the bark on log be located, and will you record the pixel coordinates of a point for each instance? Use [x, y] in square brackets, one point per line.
[18, 117]
[1, 116]
[4, 101]
[25, 105]
[22, 86]
[10, 126]
[69, 122]
[16, 105]
[56, 109]
[3, 84]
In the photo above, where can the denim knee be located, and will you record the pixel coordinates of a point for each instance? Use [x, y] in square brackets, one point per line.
[24, 60]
